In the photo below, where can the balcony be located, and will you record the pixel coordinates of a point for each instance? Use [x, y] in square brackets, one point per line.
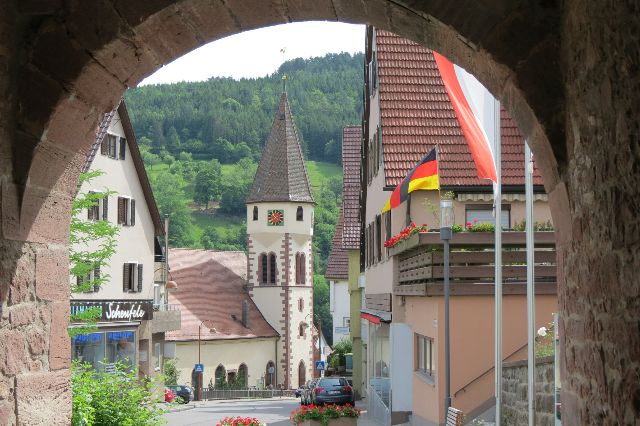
[420, 269]
[166, 318]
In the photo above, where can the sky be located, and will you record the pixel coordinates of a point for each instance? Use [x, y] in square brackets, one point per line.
[258, 53]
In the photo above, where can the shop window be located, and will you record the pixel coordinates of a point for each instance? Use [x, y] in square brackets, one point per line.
[103, 350]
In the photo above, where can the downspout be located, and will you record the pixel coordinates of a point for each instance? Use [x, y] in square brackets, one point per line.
[275, 367]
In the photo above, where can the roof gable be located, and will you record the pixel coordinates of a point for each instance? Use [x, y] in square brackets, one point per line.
[351, 161]
[136, 158]
[338, 262]
[281, 174]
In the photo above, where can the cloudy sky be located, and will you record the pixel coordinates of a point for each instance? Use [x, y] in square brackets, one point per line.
[258, 53]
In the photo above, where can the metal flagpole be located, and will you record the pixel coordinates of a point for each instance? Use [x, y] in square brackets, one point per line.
[497, 201]
[531, 303]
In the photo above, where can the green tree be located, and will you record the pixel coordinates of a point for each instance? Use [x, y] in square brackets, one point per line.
[91, 244]
[171, 199]
[207, 184]
[321, 306]
[171, 373]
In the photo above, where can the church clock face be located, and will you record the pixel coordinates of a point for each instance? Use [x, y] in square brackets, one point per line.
[275, 217]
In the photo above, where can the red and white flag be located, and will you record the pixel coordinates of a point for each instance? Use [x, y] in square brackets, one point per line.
[471, 124]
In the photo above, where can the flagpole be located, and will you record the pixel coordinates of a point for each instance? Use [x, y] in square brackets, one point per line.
[531, 306]
[497, 200]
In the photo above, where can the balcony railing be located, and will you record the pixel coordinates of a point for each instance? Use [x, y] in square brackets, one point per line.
[420, 269]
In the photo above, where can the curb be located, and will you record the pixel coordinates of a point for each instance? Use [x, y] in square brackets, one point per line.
[177, 409]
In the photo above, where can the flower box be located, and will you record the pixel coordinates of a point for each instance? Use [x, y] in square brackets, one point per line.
[333, 415]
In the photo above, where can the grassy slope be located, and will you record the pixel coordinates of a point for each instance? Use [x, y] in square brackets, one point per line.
[318, 172]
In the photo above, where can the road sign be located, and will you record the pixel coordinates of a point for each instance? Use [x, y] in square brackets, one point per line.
[199, 368]
[320, 365]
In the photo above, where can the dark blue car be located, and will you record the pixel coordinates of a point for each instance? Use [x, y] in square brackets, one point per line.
[182, 392]
[332, 390]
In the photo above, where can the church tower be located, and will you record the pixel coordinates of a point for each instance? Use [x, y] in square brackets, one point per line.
[279, 231]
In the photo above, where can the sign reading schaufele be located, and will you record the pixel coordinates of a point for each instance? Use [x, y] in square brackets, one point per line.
[116, 310]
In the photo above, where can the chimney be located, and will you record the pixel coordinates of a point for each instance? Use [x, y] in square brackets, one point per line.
[245, 313]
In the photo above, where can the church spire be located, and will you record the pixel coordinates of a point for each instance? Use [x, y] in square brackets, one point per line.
[282, 174]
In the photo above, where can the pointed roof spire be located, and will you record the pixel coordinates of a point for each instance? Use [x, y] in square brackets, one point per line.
[282, 174]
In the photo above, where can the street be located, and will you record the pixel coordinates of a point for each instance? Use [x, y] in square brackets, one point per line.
[271, 412]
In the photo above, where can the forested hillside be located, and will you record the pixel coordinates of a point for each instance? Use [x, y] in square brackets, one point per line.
[229, 119]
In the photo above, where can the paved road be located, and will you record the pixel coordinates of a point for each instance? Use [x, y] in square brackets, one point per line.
[272, 411]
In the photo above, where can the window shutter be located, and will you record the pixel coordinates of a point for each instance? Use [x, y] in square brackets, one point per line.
[126, 277]
[104, 146]
[105, 208]
[78, 281]
[96, 277]
[120, 210]
[140, 278]
[123, 149]
[133, 212]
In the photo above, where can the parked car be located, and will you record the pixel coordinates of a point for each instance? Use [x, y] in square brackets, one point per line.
[332, 390]
[181, 391]
[305, 396]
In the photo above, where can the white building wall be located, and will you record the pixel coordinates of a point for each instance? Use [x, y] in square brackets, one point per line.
[135, 243]
[340, 309]
[255, 353]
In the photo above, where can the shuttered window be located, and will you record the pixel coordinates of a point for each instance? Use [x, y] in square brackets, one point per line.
[111, 146]
[378, 237]
[132, 277]
[126, 211]
[92, 277]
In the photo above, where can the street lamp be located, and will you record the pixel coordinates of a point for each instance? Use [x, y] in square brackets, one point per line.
[198, 390]
[446, 222]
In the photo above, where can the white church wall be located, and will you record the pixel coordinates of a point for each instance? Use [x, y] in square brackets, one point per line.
[254, 353]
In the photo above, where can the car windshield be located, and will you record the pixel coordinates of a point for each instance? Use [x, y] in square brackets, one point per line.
[332, 382]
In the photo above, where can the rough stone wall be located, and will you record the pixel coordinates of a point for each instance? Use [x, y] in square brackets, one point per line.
[514, 392]
[600, 252]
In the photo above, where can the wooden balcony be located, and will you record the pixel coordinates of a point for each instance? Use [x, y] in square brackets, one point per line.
[420, 269]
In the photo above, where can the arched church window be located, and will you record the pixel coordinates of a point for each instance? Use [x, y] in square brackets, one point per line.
[221, 376]
[255, 212]
[301, 272]
[270, 375]
[302, 374]
[299, 214]
[243, 374]
[272, 269]
[262, 268]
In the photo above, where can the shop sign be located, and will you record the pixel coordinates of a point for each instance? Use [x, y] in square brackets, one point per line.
[116, 310]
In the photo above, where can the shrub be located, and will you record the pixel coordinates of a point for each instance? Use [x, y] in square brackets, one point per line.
[323, 414]
[112, 398]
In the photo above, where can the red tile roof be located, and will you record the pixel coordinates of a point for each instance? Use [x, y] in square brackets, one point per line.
[416, 115]
[338, 263]
[211, 288]
[351, 144]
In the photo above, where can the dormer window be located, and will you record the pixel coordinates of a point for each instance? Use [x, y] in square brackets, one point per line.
[299, 214]
[255, 212]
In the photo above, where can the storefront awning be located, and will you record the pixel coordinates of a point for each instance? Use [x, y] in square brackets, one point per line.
[374, 316]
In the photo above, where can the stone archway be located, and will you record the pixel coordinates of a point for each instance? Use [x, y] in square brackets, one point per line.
[565, 70]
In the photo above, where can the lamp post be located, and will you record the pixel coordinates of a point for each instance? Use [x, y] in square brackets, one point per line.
[446, 222]
[199, 373]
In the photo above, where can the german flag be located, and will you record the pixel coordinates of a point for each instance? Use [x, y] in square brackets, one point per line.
[424, 175]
